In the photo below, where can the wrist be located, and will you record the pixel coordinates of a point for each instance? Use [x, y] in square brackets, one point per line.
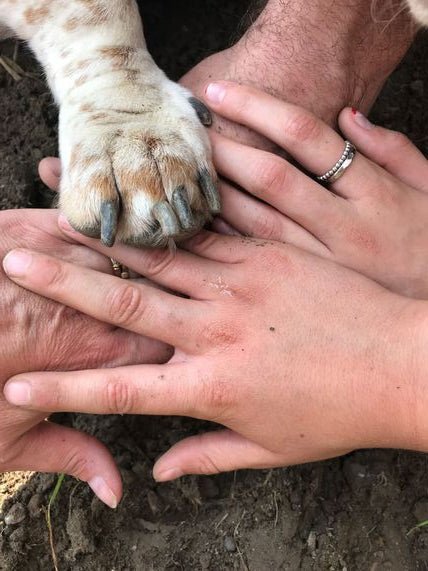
[325, 71]
[403, 398]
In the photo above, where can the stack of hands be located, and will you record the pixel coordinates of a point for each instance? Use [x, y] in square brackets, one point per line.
[298, 324]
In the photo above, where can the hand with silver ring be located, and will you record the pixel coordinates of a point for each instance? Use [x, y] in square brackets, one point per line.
[372, 218]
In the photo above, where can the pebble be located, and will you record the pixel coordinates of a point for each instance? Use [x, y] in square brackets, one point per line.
[34, 506]
[311, 542]
[17, 540]
[155, 503]
[420, 510]
[417, 86]
[15, 515]
[229, 544]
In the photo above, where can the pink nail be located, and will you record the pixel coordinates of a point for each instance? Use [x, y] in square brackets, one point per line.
[18, 393]
[16, 263]
[100, 488]
[361, 120]
[215, 92]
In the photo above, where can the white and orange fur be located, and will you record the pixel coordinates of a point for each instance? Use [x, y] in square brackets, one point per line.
[136, 161]
[128, 136]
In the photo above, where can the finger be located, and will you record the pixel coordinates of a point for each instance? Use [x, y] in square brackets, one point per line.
[50, 172]
[315, 145]
[258, 220]
[281, 185]
[174, 269]
[172, 389]
[222, 227]
[49, 447]
[213, 453]
[220, 247]
[389, 149]
[132, 306]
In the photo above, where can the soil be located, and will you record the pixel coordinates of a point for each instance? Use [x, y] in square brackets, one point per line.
[353, 513]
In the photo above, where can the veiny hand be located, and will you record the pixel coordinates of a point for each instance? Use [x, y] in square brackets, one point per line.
[317, 56]
[37, 333]
[374, 219]
[299, 358]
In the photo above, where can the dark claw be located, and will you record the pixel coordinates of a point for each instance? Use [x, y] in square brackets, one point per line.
[109, 218]
[202, 111]
[210, 191]
[167, 219]
[180, 202]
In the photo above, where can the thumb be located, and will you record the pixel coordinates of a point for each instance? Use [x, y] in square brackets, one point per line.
[212, 453]
[389, 149]
[49, 447]
[50, 172]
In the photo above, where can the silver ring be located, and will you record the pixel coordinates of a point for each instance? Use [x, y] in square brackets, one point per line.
[342, 164]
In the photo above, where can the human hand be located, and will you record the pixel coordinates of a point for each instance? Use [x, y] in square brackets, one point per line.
[299, 358]
[287, 52]
[36, 333]
[373, 220]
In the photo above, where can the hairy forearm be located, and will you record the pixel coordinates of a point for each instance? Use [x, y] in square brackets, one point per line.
[344, 49]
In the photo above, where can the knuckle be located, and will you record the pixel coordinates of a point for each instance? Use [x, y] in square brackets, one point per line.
[279, 259]
[125, 305]
[202, 241]
[399, 141]
[302, 127]
[8, 455]
[271, 175]
[266, 225]
[205, 462]
[220, 334]
[218, 395]
[158, 261]
[76, 463]
[54, 273]
[121, 397]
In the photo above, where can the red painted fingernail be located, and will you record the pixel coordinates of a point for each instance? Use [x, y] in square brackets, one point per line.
[362, 120]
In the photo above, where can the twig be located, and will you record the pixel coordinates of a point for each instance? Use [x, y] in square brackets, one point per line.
[9, 68]
[48, 519]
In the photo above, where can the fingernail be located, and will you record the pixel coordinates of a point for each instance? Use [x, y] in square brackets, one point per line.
[103, 492]
[361, 119]
[18, 393]
[167, 475]
[215, 92]
[16, 263]
[65, 225]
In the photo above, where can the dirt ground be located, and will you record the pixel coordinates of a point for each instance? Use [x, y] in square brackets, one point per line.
[353, 513]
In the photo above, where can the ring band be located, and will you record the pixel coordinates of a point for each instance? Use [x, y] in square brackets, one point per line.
[119, 270]
[342, 164]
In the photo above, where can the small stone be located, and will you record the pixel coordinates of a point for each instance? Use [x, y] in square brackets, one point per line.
[229, 544]
[420, 510]
[15, 515]
[311, 542]
[34, 506]
[17, 540]
[155, 503]
[417, 86]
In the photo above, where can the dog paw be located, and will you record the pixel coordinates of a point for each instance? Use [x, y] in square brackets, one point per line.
[137, 165]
